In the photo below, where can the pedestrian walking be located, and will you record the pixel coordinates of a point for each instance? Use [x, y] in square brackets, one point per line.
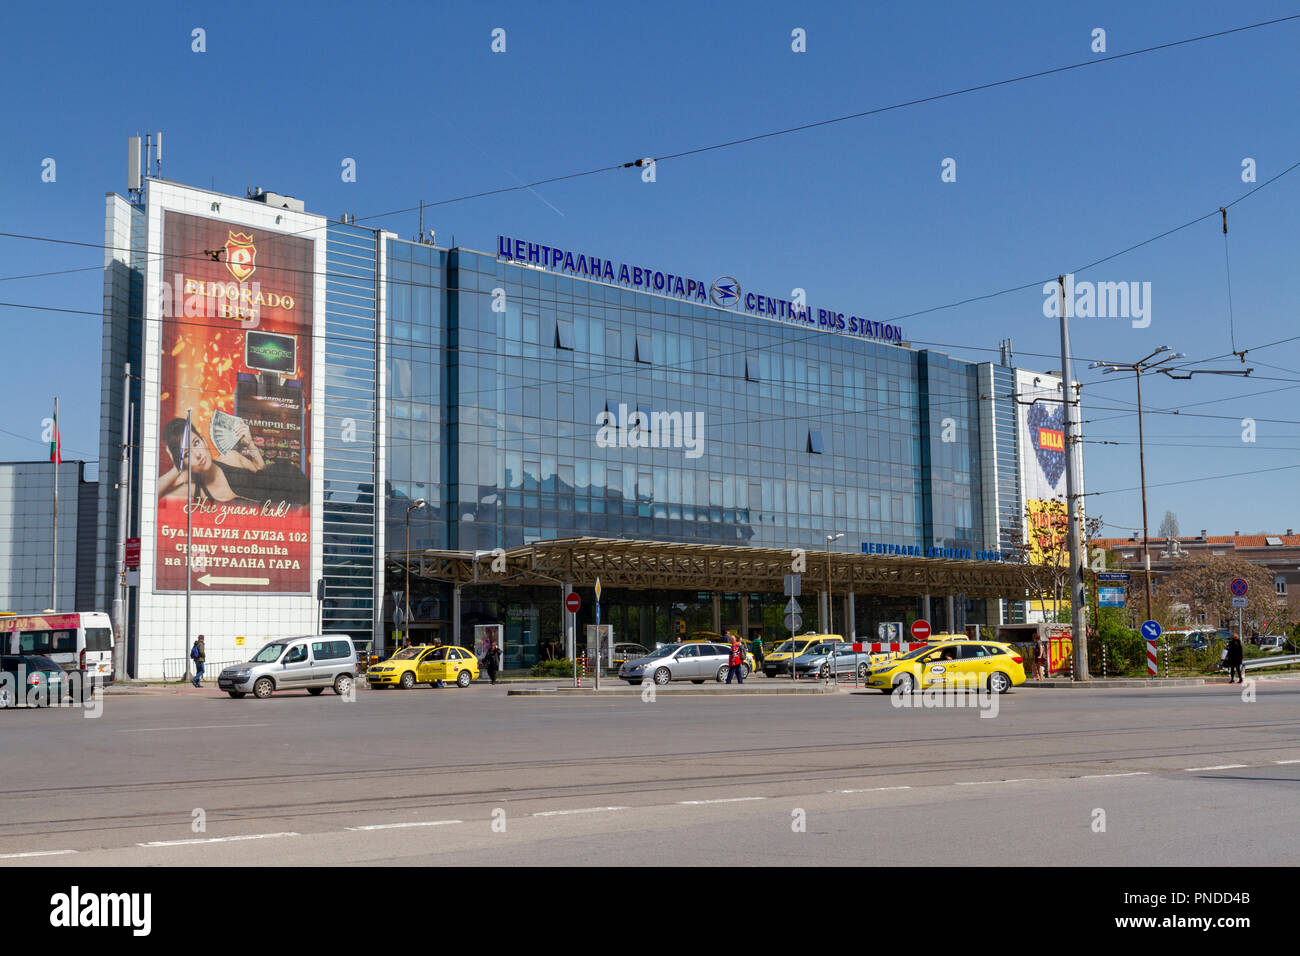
[1236, 653]
[735, 662]
[1040, 660]
[758, 652]
[492, 662]
[198, 654]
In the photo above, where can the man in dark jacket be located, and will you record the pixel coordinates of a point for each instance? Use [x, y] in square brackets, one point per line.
[199, 655]
[1235, 655]
[492, 662]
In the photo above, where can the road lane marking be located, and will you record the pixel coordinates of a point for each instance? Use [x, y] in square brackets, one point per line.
[230, 839]
[1222, 766]
[147, 730]
[699, 803]
[1286, 761]
[16, 856]
[396, 826]
[980, 783]
[1099, 776]
[560, 813]
[875, 789]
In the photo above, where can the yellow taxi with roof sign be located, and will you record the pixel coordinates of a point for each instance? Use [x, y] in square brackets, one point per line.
[959, 662]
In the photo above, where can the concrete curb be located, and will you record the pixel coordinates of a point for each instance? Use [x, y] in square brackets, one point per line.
[717, 690]
[1111, 682]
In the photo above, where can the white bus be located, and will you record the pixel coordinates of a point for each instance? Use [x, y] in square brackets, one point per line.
[81, 642]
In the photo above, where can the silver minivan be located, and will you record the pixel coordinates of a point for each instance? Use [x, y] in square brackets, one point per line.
[309, 663]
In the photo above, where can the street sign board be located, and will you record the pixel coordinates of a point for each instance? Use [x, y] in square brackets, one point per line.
[597, 589]
[1113, 576]
[1238, 602]
[793, 622]
[133, 552]
[921, 630]
[1238, 587]
[793, 582]
[792, 607]
[572, 602]
[890, 631]
[1110, 597]
[1151, 630]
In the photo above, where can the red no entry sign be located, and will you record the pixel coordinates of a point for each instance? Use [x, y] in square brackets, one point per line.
[572, 602]
[921, 630]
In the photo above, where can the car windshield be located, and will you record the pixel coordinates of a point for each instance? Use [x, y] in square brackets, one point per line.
[664, 651]
[914, 654]
[407, 654]
[786, 647]
[268, 654]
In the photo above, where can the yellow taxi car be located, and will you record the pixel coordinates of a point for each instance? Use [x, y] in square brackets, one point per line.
[399, 670]
[777, 660]
[425, 664]
[712, 638]
[447, 664]
[957, 663]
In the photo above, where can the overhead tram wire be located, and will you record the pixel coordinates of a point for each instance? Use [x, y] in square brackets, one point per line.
[811, 336]
[820, 123]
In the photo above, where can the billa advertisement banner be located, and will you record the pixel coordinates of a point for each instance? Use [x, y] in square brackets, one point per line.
[236, 357]
[1042, 436]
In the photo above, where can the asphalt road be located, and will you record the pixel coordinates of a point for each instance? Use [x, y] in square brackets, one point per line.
[1180, 776]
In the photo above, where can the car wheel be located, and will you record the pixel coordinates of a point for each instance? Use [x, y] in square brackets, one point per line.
[999, 683]
[263, 688]
[825, 672]
[6, 697]
[862, 671]
[408, 680]
[315, 691]
[237, 694]
[663, 676]
[342, 685]
[463, 679]
[905, 683]
[722, 674]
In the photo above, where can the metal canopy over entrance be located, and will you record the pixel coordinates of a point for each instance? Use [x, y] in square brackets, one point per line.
[624, 563]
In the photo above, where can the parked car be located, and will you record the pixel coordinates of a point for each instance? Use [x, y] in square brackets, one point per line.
[398, 670]
[1272, 644]
[627, 652]
[450, 664]
[24, 671]
[999, 667]
[778, 660]
[311, 663]
[695, 661]
[712, 638]
[819, 660]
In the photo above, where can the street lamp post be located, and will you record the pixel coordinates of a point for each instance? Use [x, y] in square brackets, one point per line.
[406, 611]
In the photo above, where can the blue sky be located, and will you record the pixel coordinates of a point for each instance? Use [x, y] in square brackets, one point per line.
[1052, 174]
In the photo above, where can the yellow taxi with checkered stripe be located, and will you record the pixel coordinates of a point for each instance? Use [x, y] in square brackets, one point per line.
[956, 663]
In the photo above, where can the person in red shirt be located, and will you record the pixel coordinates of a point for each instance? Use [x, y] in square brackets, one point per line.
[736, 661]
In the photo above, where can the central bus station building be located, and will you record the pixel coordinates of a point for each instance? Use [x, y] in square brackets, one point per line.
[491, 428]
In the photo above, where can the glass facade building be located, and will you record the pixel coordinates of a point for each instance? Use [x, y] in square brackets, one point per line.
[474, 401]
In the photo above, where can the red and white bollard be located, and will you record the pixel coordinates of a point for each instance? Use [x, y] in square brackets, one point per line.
[1153, 660]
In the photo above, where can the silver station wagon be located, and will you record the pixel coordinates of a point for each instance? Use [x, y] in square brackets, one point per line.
[296, 663]
[694, 661]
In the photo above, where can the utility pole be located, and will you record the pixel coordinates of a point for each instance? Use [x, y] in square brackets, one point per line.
[1073, 497]
[1137, 368]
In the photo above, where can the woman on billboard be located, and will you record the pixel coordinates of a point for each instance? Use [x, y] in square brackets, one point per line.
[240, 473]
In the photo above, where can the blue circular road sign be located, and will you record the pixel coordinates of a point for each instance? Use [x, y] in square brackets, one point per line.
[1151, 630]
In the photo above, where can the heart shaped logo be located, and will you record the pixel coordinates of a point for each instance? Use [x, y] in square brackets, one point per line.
[1047, 434]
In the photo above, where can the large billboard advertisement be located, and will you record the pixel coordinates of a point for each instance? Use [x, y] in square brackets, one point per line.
[236, 343]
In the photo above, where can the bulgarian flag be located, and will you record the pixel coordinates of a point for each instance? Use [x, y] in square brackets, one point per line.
[56, 445]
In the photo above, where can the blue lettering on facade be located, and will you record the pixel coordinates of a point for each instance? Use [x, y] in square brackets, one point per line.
[641, 277]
